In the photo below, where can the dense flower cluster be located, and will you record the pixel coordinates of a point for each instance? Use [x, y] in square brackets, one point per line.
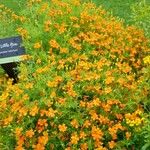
[81, 86]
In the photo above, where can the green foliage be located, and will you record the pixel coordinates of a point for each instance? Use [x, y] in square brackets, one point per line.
[141, 15]
[120, 8]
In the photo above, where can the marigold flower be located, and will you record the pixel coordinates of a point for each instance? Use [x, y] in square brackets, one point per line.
[62, 128]
[84, 146]
[34, 111]
[8, 120]
[128, 135]
[38, 147]
[61, 101]
[87, 124]
[52, 84]
[96, 133]
[75, 123]
[30, 133]
[109, 80]
[19, 147]
[23, 32]
[51, 112]
[112, 144]
[147, 60]
[82, 135]
[54, 44]
[107, 90]
[37, 45]
[63, 50]
[23, 111]
[42, 140]
[18, 131]
[74, 138]
[42, 122]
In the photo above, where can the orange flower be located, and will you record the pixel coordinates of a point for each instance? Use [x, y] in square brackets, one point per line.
[38, 147]
[93, 114]
[86, 124]
[54, 44]
[42, 140]
[96, 102]
[19, 147]
[23, 32]
[74, 138]
[103, 119]
[107, 107]
[107, 90]
[82, 104]
[84, 146]
[98, 143]
[75, 123]
[30, 133]
[128, 135]
[112, 144]
[109, 80]
[82, 135]
[34, 110]
[62, 128]
[61, 101]
[96, 133]
[47, 25]
[8, 120]
[37, 45]
[20, 140]
[63, 50]
[62, 28]
[23, 111]
[42, 122]
[18, 132]
[50, 113]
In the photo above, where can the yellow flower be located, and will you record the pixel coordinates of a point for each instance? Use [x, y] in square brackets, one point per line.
[37, 45]
[147, 60]
[134, 119]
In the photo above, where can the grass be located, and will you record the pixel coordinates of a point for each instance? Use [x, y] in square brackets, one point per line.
[120, 8]
[16, 5]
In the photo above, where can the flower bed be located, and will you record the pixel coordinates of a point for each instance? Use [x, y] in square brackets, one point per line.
[83, 85]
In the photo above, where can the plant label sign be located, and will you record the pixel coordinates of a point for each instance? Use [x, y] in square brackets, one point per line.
[11, 50]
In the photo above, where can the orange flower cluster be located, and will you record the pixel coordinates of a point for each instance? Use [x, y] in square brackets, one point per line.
[84, 83]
